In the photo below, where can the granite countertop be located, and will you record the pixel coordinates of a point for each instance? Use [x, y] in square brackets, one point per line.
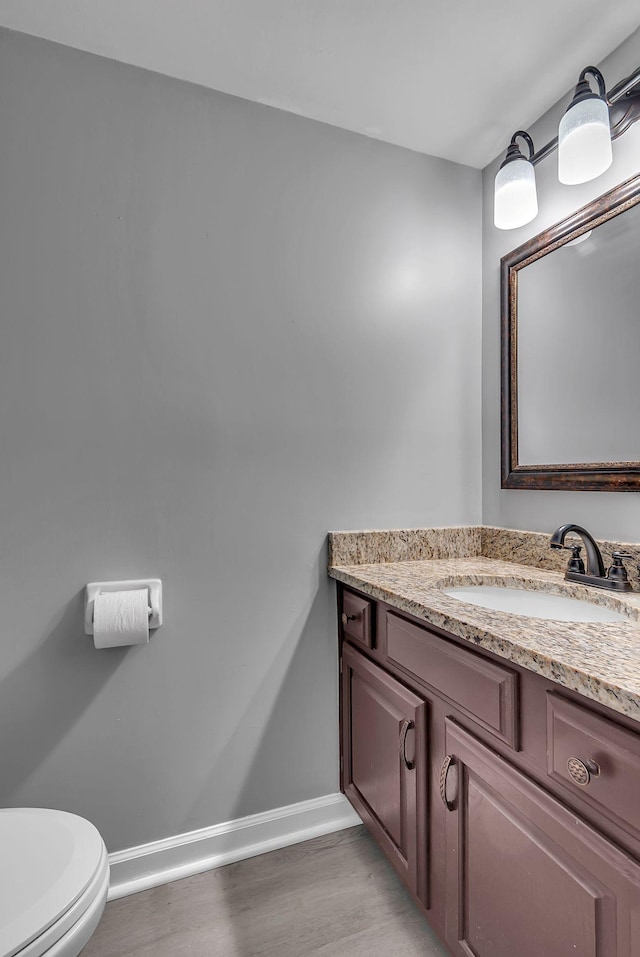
[598, 660]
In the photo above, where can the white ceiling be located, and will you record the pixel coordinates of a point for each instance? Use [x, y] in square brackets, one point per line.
[452, 78]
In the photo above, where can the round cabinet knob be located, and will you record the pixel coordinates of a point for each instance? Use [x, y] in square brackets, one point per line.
[581, 771]
[347, 618]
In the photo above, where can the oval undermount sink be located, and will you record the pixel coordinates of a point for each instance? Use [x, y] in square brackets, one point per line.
[533, 604]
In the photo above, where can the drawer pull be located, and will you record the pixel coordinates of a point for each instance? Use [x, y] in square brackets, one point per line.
[405, 728]
[581, 771]
[345, 619]
[444, 771]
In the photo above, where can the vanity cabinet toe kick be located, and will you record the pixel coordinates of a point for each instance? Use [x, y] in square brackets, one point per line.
[509, 807]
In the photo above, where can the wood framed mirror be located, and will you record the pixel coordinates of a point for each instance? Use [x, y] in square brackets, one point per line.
[570, 351]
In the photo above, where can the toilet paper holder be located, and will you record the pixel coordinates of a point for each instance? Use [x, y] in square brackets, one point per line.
[153, 586]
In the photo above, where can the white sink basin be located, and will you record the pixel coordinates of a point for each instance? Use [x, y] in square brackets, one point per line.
[533, 604]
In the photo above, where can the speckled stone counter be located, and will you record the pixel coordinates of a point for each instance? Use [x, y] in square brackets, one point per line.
[600, 661]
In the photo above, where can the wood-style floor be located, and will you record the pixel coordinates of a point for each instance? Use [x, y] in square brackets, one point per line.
[334, 896]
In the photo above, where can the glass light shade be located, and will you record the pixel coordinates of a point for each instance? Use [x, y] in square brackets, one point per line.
[584, 142]
[515, 200]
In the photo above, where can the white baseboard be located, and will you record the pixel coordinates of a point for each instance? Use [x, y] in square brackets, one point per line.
[139, 868]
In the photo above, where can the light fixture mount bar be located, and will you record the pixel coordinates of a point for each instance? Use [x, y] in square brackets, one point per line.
[624, 110]
[625, 86]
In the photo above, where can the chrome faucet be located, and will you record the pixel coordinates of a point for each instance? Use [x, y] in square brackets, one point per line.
[616, 578]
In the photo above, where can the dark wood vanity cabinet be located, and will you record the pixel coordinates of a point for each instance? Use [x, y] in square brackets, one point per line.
[526, 876]
[456, 762]
[384, 762]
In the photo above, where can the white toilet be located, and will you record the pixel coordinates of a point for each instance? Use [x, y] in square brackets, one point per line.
[54, 877]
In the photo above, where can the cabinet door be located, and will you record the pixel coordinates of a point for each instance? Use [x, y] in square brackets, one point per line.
[384, 763]
[525, 876]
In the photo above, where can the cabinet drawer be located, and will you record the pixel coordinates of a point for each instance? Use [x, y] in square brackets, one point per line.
[356, 619]
[578, 739]
[485, 691]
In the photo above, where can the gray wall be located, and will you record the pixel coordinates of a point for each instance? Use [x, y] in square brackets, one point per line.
[606, 514]
[225, 330]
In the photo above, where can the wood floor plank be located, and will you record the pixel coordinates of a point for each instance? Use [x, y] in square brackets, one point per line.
[334, 896]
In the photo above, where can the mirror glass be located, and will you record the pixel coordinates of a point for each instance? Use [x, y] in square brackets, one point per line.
[570, 302]
[579, 348]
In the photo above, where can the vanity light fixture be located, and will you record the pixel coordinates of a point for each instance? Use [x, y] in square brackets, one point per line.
[584, 135]
[591, 122]
[515, 199]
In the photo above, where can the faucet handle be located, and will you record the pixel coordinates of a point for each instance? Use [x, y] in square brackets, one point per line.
[617, 571]
[575, 563]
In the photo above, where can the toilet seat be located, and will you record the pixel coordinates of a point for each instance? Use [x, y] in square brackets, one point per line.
[74, 939]
[54, 876]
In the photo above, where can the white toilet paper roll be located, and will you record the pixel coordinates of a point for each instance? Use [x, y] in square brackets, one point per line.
[121, 618]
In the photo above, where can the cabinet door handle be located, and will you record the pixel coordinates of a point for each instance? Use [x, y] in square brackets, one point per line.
[404, 729]
[444, 770]
[347, 618]
[581, 771]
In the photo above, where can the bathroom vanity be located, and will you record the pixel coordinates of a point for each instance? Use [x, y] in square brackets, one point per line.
[494, 758]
